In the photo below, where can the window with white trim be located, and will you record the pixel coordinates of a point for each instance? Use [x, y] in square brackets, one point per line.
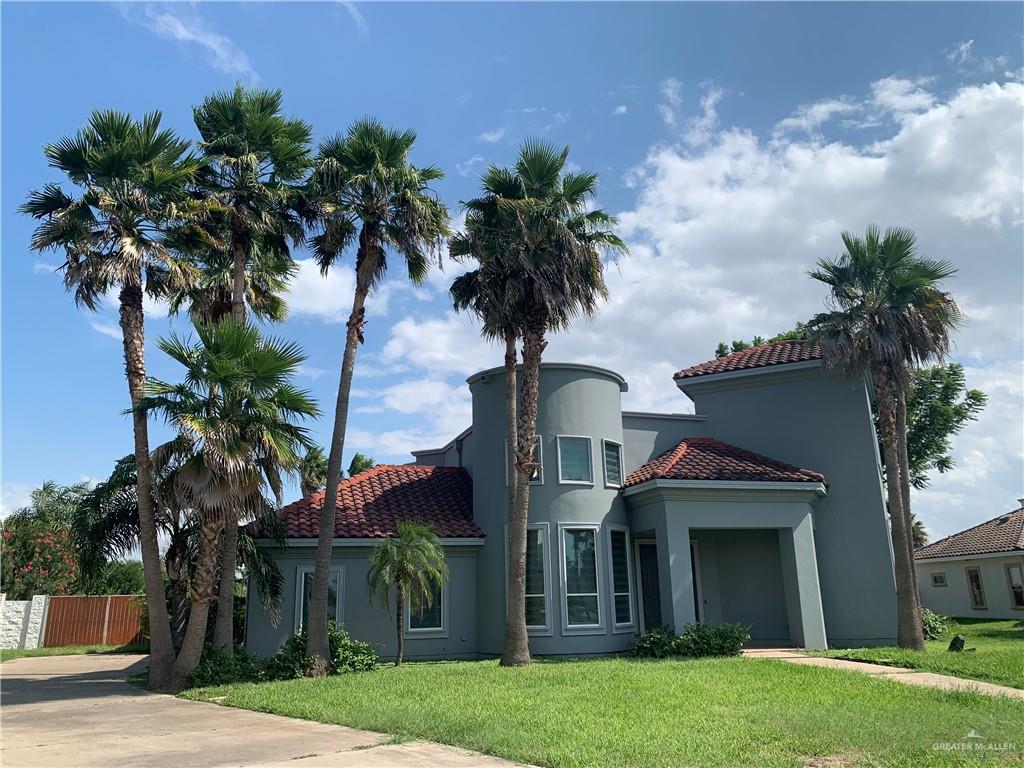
[537, 478]
[581, 593]
[536, 578]
[612, 452]
[939, 579]
[976, 589]
[427, 617]
[1015, 581]
[575, 466]
[620, 557]
[304, 590]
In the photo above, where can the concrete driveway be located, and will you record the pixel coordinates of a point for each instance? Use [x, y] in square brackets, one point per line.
[79, 711]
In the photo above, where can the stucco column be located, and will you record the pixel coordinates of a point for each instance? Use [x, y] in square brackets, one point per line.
[800, 578]
[680, 570]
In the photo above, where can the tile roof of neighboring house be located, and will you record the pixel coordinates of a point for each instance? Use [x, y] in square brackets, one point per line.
[703, 458]
[372, 503]
[778, 353]
[1001, 534]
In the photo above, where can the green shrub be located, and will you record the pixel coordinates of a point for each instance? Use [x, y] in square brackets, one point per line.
[697, 640]
[347, 655]
[935, 625]
[216, 667]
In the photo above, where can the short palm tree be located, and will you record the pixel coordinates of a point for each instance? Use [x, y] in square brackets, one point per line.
[367, 194]
[236, 405]
[360, 463]
[256, 158]
[888, 314]
[312, 471]
[414, 566]
[133, 178]
[539, 246]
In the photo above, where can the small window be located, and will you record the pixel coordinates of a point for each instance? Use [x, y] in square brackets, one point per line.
[1015, 580]
[582, 600]
[574, 464]
[612, 464]
[304, 589]
[536, 580]
[537, 478]
[976, 589]
[618, 548]
[938, 579]
[427, 617]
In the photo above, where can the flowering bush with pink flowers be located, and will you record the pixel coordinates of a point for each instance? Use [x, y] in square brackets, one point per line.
[37, 561]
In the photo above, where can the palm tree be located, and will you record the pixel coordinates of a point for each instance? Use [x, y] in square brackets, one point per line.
[360, 463]
[414, 565]
[888, 313]
[369, 195]
[255, 159]
[133, 177]
[52, 506]
[539, 247]
[312, 471]
[236, 405]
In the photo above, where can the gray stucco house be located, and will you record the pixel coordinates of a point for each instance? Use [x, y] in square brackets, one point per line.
[764, 507]
[978, 572]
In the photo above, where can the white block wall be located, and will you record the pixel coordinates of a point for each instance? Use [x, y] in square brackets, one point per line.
[22, 622]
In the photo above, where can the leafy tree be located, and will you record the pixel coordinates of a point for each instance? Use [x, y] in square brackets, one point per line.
[119, 577]
[367, 194]
[413, 565]
[887, 314]
[360, 463]
[236, 402]
[52, 506]
[37, 560]
[133, 179]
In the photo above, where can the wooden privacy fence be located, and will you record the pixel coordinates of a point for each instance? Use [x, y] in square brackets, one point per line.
[89, 620]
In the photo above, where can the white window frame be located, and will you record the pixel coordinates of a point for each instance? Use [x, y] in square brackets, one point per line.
[540, 462]
[536, 630]
[581, 629]
[1009, 584]
[981, 588]
[428, 632]
[941, 582]
[300, 581]
[604, 462]
[629, 626]
[590, 459]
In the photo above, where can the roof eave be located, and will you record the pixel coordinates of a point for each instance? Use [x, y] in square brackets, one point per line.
[976, 556]
[712, 378]
[814, 487]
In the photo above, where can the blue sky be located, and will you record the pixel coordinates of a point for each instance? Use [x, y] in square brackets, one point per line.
[735, 141]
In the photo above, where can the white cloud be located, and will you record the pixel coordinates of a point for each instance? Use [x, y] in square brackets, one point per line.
[961, 52]
[493, 137]
[671, 91]
[107, 329]
[621, 109]
[312, 372]
[466, 168]
[329, 298]
[44, 268]
[184, 25]
[447, 345]
[810, 117]
[901, 96]
[557, 119]
[357, 16]
[700, 129]
[14, 496]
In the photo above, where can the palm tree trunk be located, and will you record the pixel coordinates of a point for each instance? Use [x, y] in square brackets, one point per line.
[224, 629]
[516, 640]
[161, 646]
[908, 629]
[317, 644]
[904, 460]
[202, 595]
[400, 624]
[517, 647]
[238, 280]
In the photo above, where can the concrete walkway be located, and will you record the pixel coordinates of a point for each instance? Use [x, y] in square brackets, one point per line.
[899, 674]
[79, 711]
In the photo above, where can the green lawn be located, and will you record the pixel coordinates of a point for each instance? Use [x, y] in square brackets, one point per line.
[624, 712]
[998, 658]
[9, 654]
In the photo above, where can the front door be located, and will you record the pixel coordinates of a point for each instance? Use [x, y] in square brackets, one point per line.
[650, 594]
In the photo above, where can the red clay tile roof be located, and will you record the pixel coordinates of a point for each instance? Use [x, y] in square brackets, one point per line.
[779, 353]
[702, 458]
[1001, 534]
[371, 504]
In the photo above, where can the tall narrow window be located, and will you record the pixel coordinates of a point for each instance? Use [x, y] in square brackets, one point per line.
[582, 603]
[1015, 580]
[612, 464]
[536, 589]
[424, 616]
[574, 464]
[537, 478]
[976, 589]
[304, 589]
[618, 541]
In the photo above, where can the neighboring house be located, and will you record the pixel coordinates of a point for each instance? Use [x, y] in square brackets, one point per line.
[764, 507]
[978, 572]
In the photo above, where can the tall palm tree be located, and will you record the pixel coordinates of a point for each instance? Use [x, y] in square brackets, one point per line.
[236, 404]
[133, 179]
[369, 195]
[539, 246]
[414, 565]
[887, 314]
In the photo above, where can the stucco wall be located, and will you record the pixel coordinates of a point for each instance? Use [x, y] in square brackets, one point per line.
[954, 598]
[650, 435]
[22, 622]
[822, 421]
[361, 619]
